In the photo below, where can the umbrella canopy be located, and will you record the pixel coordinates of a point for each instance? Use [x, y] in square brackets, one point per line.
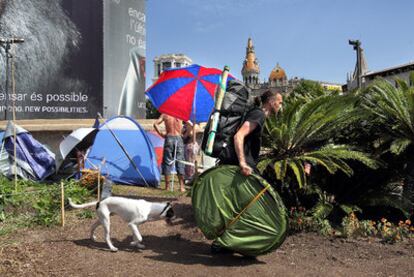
[186, 93]
[80, 139]
[158, 143]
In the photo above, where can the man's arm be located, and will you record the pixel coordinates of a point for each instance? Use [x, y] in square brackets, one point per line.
[188, 132]
[158, 122]
[245, 129]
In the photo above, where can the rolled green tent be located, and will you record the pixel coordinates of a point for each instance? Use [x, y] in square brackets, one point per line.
[242, 213]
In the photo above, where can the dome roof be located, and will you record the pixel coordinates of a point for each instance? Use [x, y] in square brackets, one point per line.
[277, 73]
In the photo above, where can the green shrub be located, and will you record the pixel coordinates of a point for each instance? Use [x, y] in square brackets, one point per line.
[37, 203]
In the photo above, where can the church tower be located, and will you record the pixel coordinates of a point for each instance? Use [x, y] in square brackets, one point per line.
[250, 70]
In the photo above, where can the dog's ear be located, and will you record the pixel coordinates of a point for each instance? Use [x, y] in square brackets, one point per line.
[173, 203]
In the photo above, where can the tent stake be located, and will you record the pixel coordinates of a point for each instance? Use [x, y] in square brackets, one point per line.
[99, 183]
[62, 204]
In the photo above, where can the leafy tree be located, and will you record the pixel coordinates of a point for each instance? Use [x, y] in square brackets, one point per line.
[307, 90]
[152, 112]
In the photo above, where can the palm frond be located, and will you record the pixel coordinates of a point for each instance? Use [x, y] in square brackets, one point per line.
[399, 145]
[299, 171]
[349, 208]
[394, 106]
[322, 210]
[387, 200]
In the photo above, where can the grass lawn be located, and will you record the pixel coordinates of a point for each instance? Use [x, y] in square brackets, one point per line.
[136, 191]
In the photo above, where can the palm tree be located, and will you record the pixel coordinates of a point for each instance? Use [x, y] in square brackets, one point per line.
[303, 133]
[394, 107]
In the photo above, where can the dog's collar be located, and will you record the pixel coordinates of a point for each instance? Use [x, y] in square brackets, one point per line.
[165, 208]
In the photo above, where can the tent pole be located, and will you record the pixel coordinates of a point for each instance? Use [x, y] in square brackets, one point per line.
[194, 152]
[125, 152]
[194, 131]
[175, 162]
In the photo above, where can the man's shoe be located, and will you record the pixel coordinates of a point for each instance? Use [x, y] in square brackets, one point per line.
[217, 249]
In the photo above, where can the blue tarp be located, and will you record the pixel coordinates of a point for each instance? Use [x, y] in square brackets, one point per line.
[107, 155]
[36, 161]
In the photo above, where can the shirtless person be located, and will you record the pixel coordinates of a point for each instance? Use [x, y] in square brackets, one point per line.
[173, 148]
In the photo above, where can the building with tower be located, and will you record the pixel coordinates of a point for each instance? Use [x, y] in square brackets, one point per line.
[251, 69]
[277, 80]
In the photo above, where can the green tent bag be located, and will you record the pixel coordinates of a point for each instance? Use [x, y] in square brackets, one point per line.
[241, 213]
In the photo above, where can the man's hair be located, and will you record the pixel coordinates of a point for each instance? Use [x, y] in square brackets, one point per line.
[264, 98]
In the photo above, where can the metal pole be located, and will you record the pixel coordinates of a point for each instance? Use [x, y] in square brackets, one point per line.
[6, 102]
[14, 119]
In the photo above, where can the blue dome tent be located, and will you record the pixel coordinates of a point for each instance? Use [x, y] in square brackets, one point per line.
[113, 160]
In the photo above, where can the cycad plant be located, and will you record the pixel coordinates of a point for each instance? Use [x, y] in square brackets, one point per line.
[394, 107]
[303, 133]
[385, 130]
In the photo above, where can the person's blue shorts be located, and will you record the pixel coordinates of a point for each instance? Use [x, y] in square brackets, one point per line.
[173, 153]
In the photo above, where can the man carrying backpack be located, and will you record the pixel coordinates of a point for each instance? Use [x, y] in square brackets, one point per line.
[247, 141]
[248, 138]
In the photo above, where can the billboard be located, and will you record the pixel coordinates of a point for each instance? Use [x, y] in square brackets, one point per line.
[124, 58]
[60, 70]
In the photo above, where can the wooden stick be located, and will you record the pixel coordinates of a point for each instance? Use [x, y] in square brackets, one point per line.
[62, 204]
[15, 154]
[99, 184]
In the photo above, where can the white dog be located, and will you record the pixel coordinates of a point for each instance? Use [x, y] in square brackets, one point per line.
[133, 211]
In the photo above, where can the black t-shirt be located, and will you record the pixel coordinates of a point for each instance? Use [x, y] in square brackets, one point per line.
[253, 140]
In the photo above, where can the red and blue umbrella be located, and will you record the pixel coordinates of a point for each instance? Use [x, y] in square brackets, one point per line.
[158, 143]
[186, 93]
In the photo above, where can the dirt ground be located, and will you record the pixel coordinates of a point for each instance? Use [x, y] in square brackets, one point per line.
[182, 250]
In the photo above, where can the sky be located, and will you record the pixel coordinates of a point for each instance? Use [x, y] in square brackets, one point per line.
[308, 38]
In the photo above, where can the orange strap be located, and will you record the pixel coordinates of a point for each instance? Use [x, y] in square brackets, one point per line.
[237, 217]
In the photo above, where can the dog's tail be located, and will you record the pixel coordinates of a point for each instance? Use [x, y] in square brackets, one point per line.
[81, 206]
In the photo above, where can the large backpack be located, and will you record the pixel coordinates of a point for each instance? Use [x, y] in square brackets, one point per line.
[236, 104]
